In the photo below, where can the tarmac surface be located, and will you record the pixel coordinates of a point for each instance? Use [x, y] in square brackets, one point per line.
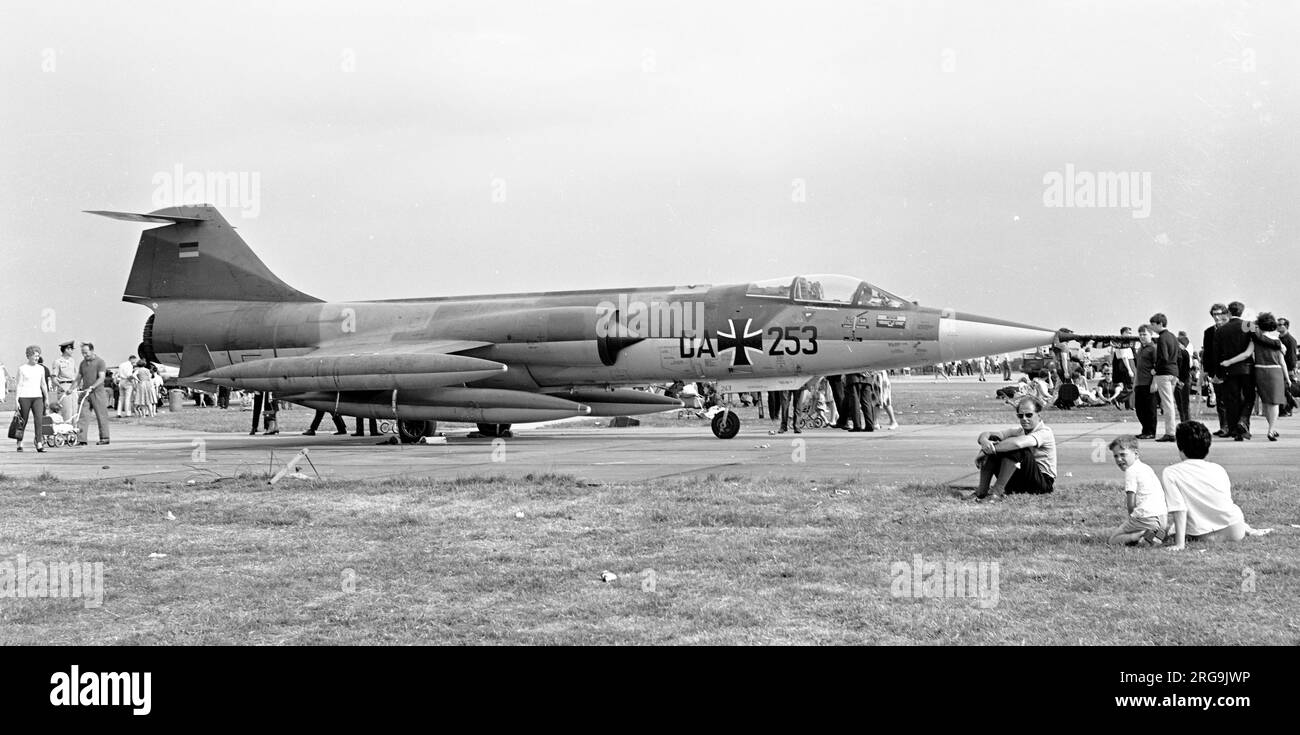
[918, 453]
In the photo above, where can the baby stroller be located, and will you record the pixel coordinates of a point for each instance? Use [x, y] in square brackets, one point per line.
[807, 415]
[60, 432]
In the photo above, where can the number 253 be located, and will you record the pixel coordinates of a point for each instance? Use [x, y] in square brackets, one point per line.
[789, 337]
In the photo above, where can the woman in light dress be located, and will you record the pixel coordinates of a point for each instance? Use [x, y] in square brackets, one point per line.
[885, 395]
[146, 397]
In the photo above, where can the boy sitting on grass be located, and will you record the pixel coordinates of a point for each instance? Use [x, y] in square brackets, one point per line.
[1199, 494]
[1145, 498]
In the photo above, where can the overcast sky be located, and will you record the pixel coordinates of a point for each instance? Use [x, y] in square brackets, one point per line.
[422, 149]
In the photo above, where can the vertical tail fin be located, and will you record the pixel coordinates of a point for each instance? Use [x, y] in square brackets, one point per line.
[198, 255]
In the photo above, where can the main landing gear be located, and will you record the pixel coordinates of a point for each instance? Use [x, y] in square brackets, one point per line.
[411, 432]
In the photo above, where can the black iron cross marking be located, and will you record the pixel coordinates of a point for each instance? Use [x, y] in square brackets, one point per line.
[739, 346]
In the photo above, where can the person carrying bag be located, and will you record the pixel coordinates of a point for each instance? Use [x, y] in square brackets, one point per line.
[32, 393]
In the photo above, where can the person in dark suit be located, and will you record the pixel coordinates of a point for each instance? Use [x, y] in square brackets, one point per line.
[1289, 354]
[1230, 341]
[270, 415]
[1210, 364]
[859, 403]
[257, 411]
[774, 405]
[1144, 398]
[1123, 368]
[837, 394]
[867, 399]
[340, 427]
[790, 405]
[1182, 391]
[852, 415]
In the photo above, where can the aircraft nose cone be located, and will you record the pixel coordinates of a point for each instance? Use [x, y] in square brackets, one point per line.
[969, 335]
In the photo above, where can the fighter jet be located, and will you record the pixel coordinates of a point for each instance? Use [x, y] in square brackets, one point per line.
[496, 360]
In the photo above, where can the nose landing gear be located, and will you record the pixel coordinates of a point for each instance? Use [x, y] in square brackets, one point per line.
[726, 424]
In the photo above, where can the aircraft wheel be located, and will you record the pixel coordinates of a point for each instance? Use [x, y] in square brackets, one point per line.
[495, 430]
[412, 431]
[726, 425]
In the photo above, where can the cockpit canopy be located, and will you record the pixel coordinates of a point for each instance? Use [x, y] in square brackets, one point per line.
[828, 289]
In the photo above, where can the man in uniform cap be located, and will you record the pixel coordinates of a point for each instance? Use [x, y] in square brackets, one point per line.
[65, 380]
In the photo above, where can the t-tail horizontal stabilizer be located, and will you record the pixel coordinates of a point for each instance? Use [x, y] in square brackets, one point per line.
[161, 219]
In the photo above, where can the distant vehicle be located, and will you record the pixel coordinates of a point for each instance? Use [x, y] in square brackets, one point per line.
[1031, 363]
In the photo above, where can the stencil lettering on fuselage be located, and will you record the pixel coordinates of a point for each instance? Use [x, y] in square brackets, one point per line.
[740, 343]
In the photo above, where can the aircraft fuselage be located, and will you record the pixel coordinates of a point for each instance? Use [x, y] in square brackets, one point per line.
[227, 320]
[574, 338]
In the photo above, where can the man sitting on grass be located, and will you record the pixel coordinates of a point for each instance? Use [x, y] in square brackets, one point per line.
[1109, 391]
[1017, 460]
[1144, 497]
[1199, 494]
[1009, 392]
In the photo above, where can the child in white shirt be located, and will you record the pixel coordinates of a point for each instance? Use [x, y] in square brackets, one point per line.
[1144, 497]
[1199, 494]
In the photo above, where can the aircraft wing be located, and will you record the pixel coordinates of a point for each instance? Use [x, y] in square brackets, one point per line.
[353, 378]
[432, 347]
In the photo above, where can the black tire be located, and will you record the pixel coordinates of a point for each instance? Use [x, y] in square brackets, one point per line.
[412, 431]
[726, 425]
[495, 430]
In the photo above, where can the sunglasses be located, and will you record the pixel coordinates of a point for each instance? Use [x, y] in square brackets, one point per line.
[1024, 415]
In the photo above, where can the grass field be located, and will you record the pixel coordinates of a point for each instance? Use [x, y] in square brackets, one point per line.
[496, 561]
[735, 561]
